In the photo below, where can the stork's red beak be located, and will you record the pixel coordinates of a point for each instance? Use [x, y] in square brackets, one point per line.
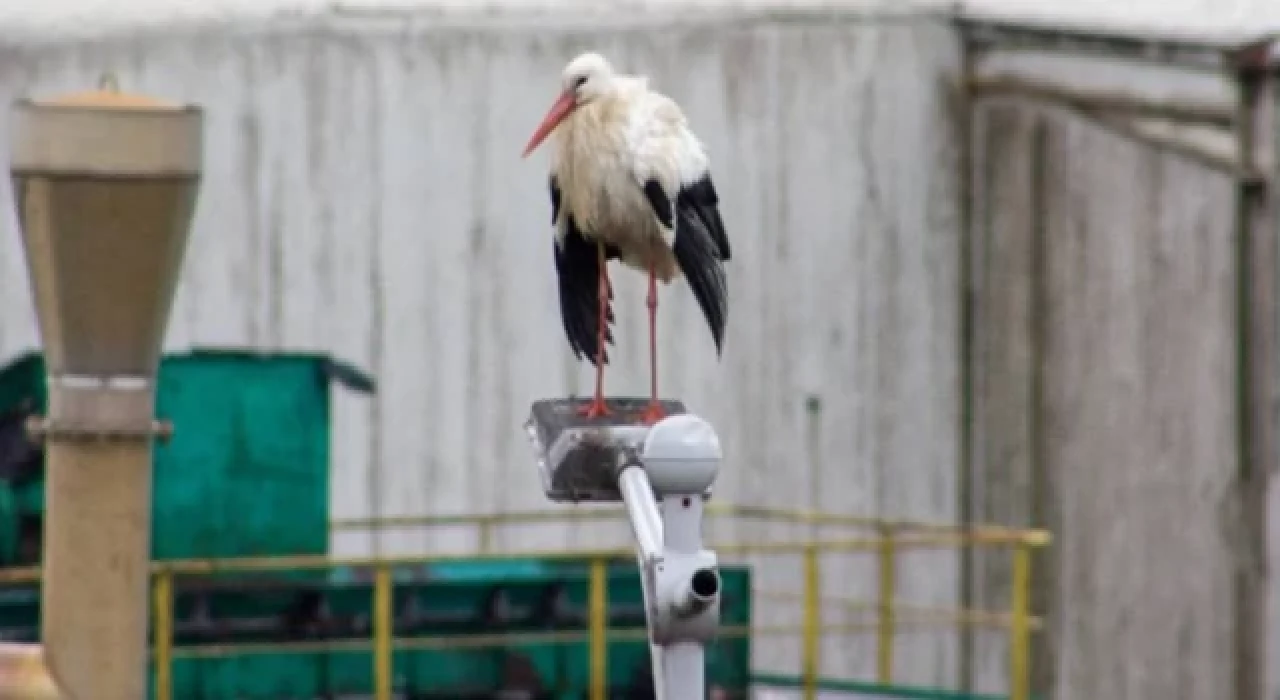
[561, 109]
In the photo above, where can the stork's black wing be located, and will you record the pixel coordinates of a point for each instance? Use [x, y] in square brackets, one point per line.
[578, 271]
[701, 199]
[700, 247]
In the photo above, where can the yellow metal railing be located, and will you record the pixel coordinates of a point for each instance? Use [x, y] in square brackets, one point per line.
[598, 621]
[888, 529]
[811, 641]
[888, 571]
[893, 538]
[486, 523]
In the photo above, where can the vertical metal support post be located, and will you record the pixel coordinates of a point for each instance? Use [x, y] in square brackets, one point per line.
[383, 596]
[886, 631]
[1258, 222]
[487, 523]
[811, 633]
[162, 601]
[597, 628]
[1020, 625]
[966, 136]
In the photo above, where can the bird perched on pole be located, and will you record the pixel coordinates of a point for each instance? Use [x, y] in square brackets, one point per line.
[630, 182]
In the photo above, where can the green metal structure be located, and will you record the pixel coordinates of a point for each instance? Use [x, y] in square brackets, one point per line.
[279, 637]
[449, 623]
[250, 443]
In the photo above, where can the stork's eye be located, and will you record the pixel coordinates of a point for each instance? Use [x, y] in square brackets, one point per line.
[577, 82]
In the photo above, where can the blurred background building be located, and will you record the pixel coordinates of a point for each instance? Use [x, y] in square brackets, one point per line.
[951, 301]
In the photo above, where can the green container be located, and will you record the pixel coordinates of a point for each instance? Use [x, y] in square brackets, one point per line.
[459, 590]
[250, 444]
[262, 649]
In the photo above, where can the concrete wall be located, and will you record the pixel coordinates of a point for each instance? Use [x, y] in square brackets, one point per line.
[364, 196]
[1105, 403]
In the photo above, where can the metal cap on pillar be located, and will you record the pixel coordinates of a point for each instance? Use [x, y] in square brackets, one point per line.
[105, 185]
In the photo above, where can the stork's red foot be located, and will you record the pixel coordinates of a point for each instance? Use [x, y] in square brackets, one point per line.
[596, 408]
[652, 413]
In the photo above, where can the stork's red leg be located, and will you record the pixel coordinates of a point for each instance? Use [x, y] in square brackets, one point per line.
[653, 412]
[597, 408]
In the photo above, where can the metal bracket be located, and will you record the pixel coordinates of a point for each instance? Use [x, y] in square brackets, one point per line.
[42, 429]
[93, 409]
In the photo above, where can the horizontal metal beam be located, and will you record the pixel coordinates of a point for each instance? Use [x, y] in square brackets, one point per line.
[1130, 127]
[995, 34]
[1105, 100]
[1227, 165]
[560, 516]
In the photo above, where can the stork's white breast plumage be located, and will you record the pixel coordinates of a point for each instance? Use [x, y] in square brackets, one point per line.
[607, 152]
[629, 181]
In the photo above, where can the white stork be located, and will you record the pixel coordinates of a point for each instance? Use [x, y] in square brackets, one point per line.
[629, 182]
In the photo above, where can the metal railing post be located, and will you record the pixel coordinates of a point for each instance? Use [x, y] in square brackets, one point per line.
[1020, 625]
[486, 525]
[382, 631]
[885, 630]
[162, 604]
[811, 636]
[597, 628]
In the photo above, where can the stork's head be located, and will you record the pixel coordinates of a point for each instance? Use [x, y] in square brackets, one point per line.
[587, 77]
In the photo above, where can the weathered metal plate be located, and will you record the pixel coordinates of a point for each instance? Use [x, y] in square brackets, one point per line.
[577, 456]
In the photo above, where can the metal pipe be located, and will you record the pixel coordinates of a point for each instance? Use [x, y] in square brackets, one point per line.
[162, 599]
[812, 623]
[642, 509]
[1020, 627]
[382, 633]
[597, 626]
[885, 636]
